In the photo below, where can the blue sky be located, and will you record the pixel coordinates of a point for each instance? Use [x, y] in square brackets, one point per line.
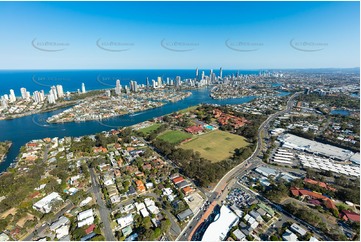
[163, 35]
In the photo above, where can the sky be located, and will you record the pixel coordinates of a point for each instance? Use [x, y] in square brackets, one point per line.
[179, 35]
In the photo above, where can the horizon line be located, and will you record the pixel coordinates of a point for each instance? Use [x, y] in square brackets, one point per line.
[194, 68]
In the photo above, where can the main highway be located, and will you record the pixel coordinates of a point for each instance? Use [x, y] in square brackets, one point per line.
[239, 170]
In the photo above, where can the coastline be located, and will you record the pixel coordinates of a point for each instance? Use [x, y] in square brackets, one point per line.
[9, 144]
[158, 104]
[87, 120]
[70, 103]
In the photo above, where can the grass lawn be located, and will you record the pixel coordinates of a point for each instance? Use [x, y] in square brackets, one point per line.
[174, 136]
[216, 145]
[149, 129]
[188, 109]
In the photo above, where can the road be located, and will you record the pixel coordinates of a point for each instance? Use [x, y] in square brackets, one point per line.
[38, 231]
[239, 170]
[103, 210]
[226, 178]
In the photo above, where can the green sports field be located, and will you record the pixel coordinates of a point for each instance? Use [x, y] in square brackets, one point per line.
[149, 129]
[216, 145]
[174, 136]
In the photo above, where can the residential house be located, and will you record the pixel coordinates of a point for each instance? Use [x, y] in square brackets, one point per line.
[125, 221]
[45, 204]
[289, 236]
[298, 229]
[140, 186]
[178, 180]
[187, 190]
[350, 216]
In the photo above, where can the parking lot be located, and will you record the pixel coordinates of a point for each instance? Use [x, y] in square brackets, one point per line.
[239, 197]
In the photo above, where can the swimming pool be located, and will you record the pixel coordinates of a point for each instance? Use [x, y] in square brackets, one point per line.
[209, 127]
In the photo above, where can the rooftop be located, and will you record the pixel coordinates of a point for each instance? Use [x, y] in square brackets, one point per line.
[296, 142]
[219, 228]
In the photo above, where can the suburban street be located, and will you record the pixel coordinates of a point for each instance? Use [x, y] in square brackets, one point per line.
[38, 232]
[103, 210]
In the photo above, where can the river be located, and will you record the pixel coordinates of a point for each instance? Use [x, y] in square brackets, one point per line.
[22, 130]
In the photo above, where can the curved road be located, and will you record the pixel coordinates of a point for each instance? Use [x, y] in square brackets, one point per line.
[225, 180]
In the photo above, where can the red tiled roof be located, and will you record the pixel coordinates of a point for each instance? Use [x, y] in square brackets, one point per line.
[178, 180]
[302, 192]
[295, 192]
[351, 215]
[329, 203]
[187, 190]
[319, 183]
[99, 149]
[90, 229]
[194, 129]
[31, 144]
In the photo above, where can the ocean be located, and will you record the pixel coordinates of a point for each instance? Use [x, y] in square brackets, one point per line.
[24, 129]
[93, 79]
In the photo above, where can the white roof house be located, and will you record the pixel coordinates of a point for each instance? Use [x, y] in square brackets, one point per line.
[139, 206]
[298, 229]
[153, 209]
[289, 236]
[239, 235]
[126, 208]
[44, 205]
[85, 214]
[254, 224]
[167, 191]
[217, 230]
[256, 216]
[87, 221]
[149, 185]
[42, 186]
[144, 212]
[60, 222]
[62, 231]
[149, 202]
[115, 199]
[85, 201]
[125, 221]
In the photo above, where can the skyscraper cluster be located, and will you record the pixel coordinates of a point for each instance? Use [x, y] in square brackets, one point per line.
[55, 93]
[118, 87]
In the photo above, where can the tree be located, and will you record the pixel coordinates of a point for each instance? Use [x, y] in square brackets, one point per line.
[3, 224]
[147, 223]
[165, 225]
[275, 238]
[157, 233]
[78, 233]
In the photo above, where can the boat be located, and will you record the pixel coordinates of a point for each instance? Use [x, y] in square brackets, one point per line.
[135, 114]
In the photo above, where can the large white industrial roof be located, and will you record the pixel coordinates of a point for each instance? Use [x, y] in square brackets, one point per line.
[296, 142]
[218, 229]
